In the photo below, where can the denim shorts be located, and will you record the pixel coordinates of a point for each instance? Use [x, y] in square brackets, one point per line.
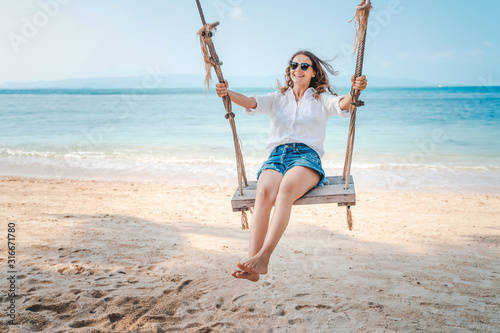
[285, 157]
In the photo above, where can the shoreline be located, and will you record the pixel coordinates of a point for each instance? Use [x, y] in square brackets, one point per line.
[477, 182]
[228, 187]
[158, 257]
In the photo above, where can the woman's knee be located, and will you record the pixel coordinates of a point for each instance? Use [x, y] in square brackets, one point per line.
[266, 194]
[285, 195]
[268, 185]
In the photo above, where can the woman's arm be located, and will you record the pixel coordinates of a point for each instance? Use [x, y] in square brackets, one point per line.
[240, 99]
[359, 84]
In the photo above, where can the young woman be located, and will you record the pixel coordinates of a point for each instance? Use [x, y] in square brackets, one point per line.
[299, 112]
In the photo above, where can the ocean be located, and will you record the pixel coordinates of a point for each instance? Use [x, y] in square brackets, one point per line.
[412, 139]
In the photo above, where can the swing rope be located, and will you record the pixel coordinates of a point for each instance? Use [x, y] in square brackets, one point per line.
[212, 61]
[362, 13]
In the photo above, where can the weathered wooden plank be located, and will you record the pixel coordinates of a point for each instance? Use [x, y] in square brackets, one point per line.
[334, 180]
[332, 193]
[346, 204]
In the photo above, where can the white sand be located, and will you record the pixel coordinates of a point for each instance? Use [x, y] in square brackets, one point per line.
[108, 256]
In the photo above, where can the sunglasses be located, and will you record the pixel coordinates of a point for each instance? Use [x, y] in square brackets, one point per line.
[303, 66]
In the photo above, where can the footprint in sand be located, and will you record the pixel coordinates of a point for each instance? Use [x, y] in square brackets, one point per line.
[319, 306]
[238, 297]
[34, 322]
[376, 306]
[296, 321]
[82, 323]
[132, 280]
[110, 318]
[219, 303]
[57, 308]
[279, 311]
[191, 325]
[75, 291]
[70, 270]
[96, 293]
[183, 285]
[35, 281]
[301, 294]
[114, 317]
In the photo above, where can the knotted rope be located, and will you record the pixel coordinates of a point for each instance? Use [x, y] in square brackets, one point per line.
[362, 13]
[206, 31]
[212, 61]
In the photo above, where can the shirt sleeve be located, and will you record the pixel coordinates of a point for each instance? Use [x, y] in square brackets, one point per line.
[264, 104]
[332, 105]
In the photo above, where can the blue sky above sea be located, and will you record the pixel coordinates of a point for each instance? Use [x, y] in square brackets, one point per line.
[90, 59]
[437, 43]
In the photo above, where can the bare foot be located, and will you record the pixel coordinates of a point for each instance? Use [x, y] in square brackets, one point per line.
[254, 277]
[252, 268]
[257, 264]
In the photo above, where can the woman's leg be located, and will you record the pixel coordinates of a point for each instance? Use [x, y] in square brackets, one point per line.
[267, 189]
[296, 182]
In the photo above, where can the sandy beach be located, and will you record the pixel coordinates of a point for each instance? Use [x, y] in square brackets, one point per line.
[118, 256]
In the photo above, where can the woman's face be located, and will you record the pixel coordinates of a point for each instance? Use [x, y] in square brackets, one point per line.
[300, 77]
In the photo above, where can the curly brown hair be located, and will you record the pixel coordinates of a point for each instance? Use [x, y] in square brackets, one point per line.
[320, 82]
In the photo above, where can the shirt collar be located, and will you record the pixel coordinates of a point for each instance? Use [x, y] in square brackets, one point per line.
[309, 91]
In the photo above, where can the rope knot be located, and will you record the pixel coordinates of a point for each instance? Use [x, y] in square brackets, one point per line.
[229, 114]
[206, 30]
[363, 5]
[214, 62]
[206, 34]
[358, 103]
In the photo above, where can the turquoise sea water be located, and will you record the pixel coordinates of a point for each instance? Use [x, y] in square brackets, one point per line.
[406, 138]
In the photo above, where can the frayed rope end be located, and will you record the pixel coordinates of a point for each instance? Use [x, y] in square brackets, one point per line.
[244, 221]
[349, 217]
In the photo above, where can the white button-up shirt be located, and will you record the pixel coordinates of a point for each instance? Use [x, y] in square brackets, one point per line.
[303, 122]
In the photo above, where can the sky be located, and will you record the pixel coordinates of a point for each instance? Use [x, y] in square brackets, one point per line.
[443, 42]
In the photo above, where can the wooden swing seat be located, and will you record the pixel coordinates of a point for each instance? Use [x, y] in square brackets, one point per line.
[332, 193]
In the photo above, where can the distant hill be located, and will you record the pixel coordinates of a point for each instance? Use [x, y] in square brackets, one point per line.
[194, 81]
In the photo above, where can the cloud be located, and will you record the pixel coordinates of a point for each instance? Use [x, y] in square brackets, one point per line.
[488, 43]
